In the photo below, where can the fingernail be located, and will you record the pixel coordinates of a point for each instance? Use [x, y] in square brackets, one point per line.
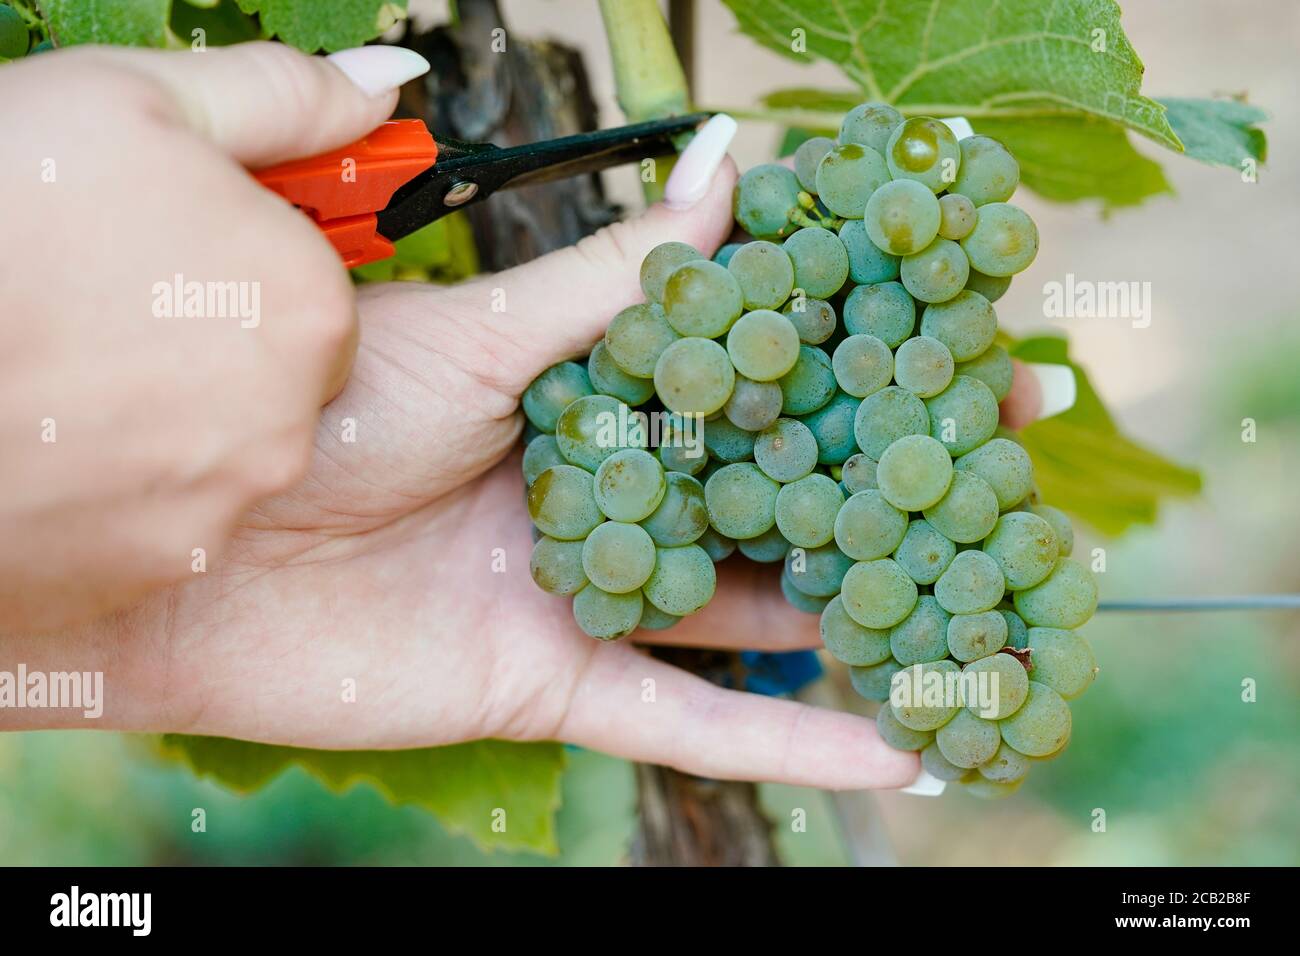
[378, 69]
[698, 162]
[1057, 385]
[925, 785]
[959, 125]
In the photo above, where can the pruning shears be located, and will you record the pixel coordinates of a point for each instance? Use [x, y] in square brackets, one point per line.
[397, 178]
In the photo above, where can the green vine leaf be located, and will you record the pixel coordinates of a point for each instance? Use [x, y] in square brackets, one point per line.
[1221, 132]
[311, 25]
[502, 795]
[122, 22]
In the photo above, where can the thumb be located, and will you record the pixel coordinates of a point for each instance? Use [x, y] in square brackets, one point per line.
[264, 103]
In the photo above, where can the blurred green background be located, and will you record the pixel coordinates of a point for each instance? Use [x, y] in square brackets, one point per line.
[1186, 772]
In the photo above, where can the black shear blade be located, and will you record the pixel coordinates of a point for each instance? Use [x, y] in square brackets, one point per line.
[468, 172]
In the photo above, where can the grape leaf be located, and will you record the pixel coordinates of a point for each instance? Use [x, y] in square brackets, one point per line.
[312, 25]
[222, 23]
[476, 789]
[1221, 132]
[124, 22]
[1083, 464]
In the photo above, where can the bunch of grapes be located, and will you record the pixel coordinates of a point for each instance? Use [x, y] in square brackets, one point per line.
[826, 396]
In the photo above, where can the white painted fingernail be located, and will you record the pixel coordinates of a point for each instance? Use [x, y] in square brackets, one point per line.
[1057, 385]
[959, 125]
[378, 69]
[698, 162]
[925, 785]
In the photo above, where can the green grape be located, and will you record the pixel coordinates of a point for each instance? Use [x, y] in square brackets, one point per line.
[886, 416]
[763, 345]
[629, 485]
[683, 580]
[870, 124]
[988, 173]
[967, 512]
[702, 299]
[765, 202]
[919, 695]
[556, 566]
[765, 274]
[964, 415]
[972, 636]
[902, 217]
[914, 472]
[1062, 660]
[694, 375]
[741, 500]
[821, 263]
[991, 287]
[956, 216]
[832, 426]
[1005, 766]
[862, 364]
[968, 741]
[873, 682]
[553, 391]
[924, 553]
[971, 583]
[885, 310]
[810, 384]
[849, 641]
[653, 619]
[1042, 724]
[1003, 242]
[813, 319]
[817, 571]
[922, 635]
[542, 452]
[618, 557]
[1005, 466]
[660, 262]
[938, 766]
[786, 450]
[993, 368]
[847, 176]
[637, 337]
[1066, 598]
[925, 151]
[719, 547]
[681, 516]
[869, 527]
[878, 593]
[936, 273]
[768, 548]
[899, 737]
[608, 379]
[977, 785]
[1017, 630]
[753, 406]
[1024, 547]
[965, 323]
[806, 510]
[562, 503]
[727, 443]
[800, 601]
[588, 431]
[723, 256]
[681, 445]
[924, 366]
[807, 157]
[868, 263]
[994, 687]
[1060, 523]
[14, 38]
[605, 616]
[859, 473]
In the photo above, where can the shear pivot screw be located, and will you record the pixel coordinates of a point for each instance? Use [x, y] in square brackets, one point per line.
[460, 194]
